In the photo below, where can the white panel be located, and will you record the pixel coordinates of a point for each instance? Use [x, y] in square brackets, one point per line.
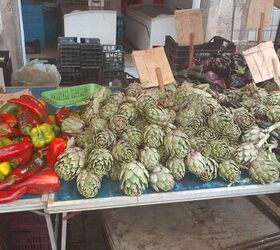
[92, 24]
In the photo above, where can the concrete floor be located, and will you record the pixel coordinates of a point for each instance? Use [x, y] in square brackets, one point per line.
[214, 224]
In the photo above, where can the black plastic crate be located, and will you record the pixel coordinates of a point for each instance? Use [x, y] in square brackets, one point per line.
[6, 65]
[68, 51]
[120, 29]
[91, 75]
[69, 75]
[113, 57]
[178, 55]
[91, 52]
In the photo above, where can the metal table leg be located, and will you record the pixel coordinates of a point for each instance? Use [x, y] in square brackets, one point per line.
[56, 226]
[64, 232]
[50, 228]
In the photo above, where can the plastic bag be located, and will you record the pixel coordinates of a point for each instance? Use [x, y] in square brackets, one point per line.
[35, 73]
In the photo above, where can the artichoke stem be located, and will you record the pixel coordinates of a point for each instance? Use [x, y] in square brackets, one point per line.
[273, 127]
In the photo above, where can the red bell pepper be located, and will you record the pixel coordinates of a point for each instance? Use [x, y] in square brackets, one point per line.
[35, 165]
[7, 125]
[39, 106]
[17, 153]
[62, 114]
[9, 119]
[56, 147]
[33, 107]
[26, 121]
[10, 196]
[44, 182]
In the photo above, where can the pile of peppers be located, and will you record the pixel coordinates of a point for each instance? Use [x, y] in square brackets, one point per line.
[30, 143]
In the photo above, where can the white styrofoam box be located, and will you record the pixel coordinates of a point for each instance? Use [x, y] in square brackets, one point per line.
[147, 25]
[100, 24]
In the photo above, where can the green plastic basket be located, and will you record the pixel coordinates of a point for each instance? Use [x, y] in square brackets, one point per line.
[69, 96]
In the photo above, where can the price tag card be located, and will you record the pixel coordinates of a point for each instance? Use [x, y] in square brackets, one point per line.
[187, 22]
[256, 8]
[146, 62]
[5, 97]
[263, 62]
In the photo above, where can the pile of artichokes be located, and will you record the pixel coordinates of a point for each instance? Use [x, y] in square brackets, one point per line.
[149, 137]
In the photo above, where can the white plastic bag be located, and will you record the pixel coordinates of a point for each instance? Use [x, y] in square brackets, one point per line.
[35, 73]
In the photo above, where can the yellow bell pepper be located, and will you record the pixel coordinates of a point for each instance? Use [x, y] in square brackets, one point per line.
[42, 135]
[5, 168]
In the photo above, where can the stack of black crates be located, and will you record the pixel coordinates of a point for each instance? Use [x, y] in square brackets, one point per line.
[89, 61]
[69, 60]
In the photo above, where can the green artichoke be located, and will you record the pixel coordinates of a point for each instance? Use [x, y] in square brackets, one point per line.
[72, 125]
[229, 171]
[104, 139]
[100, 161]
[88, 115]
[115, 98]
[156, 93]
[245, 154]
[176, 167]
[161, 179]
[70, 163]
[158, 116]
[176, 144]
[108, 110]
[149, 157]
[133, 135]
[244, 119]
[88, 183]
[202, 167]
[220, 120]
[260, 111]
[153, 136]
[263, 171]
[199, 144]
[144, 102]
[208, 134]
[128, 110]
[84, 140]
[272, 99]
[140, 123]
[118, 124]
[163, 155]
[219, 150]
[134, 89]
[97, 124]
[273, 114]
[133, 178]
[124, 152]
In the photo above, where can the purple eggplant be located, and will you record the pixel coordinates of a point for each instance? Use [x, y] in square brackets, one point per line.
[219, 65]
[217, 82]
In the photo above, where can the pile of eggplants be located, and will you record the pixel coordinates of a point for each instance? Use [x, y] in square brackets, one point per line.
[227, 71]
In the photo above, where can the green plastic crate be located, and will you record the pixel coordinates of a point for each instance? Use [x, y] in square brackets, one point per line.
[69, 96]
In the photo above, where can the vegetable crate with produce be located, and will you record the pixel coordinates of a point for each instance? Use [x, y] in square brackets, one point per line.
[29, 143]
[178, 56]
[146, 137]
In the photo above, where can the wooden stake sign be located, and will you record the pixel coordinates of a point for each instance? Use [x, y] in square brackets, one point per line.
[263, 62]
[189, 22]
[189, 29]
[259, 16]
[153, 67]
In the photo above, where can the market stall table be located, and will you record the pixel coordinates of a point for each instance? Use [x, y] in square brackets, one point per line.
[68, 199]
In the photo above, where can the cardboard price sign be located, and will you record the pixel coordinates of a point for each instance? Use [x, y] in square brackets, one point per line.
[257, 8]
[5, 97]
[189, 22]
[263, 62]
[148, 62]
